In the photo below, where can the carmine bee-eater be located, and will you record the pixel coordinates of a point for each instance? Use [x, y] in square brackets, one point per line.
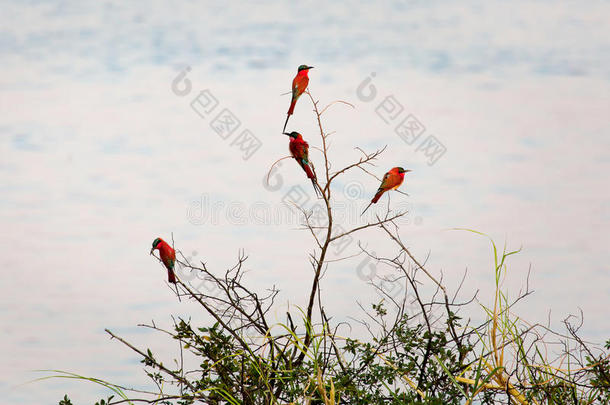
[299, 149]
[391, 181]
[168, 257]
[299, 84]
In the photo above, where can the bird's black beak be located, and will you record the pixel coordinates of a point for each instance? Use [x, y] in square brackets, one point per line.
[309, 67]
[286, 133]
[152, 250]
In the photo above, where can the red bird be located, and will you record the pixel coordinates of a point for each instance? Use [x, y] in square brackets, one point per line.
[168, 257]
[391, 181]
[299, 149]
[299, 84]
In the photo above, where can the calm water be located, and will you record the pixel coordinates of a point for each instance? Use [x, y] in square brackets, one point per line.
[99, 157]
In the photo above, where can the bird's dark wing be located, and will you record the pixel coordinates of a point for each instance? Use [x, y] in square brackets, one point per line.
[385, 182]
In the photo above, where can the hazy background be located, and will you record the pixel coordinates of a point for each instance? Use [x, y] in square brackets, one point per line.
[99, 157]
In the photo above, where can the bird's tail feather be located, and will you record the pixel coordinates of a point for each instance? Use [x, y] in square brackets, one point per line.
[292, 104]
[171, 276]
[377, 196]
[316, 188]
[290, 111]
[312, 176]
[177, 292]
[308, 170]
[367, 207]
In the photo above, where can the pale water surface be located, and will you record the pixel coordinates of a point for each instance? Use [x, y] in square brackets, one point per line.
[99, 157]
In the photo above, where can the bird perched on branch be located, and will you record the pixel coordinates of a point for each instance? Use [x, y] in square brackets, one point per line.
[391, 181]
[299, 149]
[168, 257]
[299, 84]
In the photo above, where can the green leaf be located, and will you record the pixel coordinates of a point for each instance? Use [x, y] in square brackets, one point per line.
[65, 401]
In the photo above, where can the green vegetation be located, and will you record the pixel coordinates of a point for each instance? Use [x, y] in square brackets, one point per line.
[427, 355]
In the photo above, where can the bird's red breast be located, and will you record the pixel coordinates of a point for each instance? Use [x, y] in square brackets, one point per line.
[394, 179]
[299, 148]
[391, 181]
[168, 255]
[299, 84]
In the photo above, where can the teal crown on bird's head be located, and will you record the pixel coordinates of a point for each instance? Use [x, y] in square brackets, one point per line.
[156, 242]
[292, 134]
[401, 170]
[305, 67]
